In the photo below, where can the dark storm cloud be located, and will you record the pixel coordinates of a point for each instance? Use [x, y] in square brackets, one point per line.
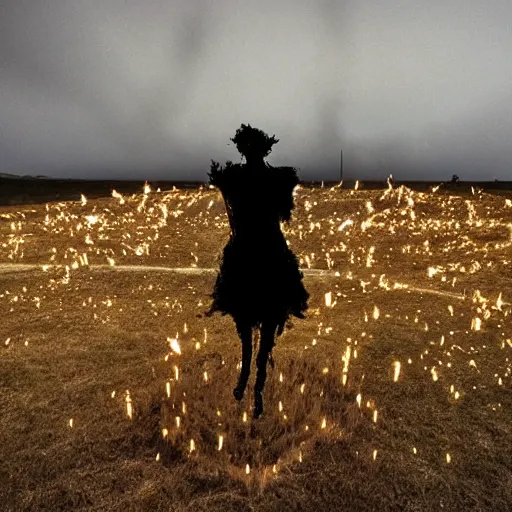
[155, 88]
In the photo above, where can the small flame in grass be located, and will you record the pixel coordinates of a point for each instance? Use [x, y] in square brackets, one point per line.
[374, 454]
[165, 433]
[247, 469]
[192, 445]
[221, 442]
[157, 457]
[448, 458]
[397, 371]
[129, 409]
[175, 346]
[71, 423]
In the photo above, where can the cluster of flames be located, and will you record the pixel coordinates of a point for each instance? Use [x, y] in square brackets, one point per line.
[460, 237]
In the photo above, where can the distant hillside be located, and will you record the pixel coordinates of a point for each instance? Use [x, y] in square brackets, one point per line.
[7, 175]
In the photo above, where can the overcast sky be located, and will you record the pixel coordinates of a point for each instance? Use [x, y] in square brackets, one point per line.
[153, 89]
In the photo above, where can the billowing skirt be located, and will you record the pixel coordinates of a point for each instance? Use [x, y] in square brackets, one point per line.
[258, 282]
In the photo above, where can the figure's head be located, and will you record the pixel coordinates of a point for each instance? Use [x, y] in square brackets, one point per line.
[252, 143]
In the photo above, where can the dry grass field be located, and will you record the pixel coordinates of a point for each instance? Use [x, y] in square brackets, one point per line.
[395, 393]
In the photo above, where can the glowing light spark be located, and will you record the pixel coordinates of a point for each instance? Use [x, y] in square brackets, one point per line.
[168, 389]
[280, 406]
[434, 374]
[374, 454]
[221, 441]
[328, 299]
[157, 458]
[178, 421]
[448, 458]
[117, 195]
[129, 409]
[244, 417]
[375, 416]
[358, 399]
[247, 469]
[165, 433]
[71, 423]
[431, 271]
[499, 302]
[192, 445]
[397, 370]
[344, 224]
[476, 324]
[302, 388]
[376, 313]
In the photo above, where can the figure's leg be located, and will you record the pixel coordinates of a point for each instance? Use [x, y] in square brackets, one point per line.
[268, 329]
[245, 333]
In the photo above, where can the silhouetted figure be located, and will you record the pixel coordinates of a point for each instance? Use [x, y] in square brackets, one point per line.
[455, 179]
[259, 283]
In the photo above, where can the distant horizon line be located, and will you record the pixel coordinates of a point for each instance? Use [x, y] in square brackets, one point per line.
[10, 176]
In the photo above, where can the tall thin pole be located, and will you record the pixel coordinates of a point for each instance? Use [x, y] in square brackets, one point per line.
[341, 165]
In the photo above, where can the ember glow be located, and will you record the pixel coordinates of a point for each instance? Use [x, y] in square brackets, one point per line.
[430, 252]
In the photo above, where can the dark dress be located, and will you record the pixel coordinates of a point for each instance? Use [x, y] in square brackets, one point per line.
[259, 276]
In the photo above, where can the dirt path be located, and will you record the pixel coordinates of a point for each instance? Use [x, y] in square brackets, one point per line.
[9, 268]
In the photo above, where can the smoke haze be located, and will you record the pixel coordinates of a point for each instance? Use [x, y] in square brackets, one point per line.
[126, 89]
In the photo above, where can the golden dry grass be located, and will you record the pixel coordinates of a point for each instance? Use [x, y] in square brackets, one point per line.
[74, 342]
